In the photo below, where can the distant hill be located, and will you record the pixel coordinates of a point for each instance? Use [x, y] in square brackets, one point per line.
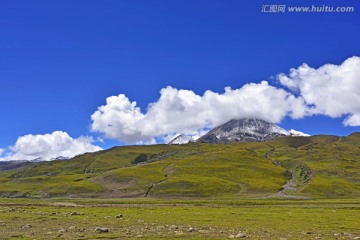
[321, 166]
[7, 165]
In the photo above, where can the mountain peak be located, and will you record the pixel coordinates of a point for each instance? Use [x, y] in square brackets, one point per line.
[244, 130]
[181, 139]
[241, 130]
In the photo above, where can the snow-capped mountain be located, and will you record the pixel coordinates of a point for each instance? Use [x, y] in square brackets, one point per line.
[246, 130]
[241, 130]
[182, 139]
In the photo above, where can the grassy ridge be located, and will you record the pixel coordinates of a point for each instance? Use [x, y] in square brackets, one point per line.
[318, 166]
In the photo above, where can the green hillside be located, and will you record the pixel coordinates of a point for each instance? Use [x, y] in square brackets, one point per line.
[311, 167]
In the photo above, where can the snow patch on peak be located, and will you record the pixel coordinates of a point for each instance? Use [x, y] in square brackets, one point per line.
[295, 133]
[277, 129]
[182, 139]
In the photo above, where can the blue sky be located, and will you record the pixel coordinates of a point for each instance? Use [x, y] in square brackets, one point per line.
[61, 60]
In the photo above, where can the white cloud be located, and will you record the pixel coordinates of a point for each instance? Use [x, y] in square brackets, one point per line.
[183, 111]
[1, 151]
[331, 90]
[49, 146]
[353, 120]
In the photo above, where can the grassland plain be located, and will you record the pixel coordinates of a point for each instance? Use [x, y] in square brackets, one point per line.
[148, 218]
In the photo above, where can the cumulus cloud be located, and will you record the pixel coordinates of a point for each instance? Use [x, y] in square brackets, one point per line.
[49, 146]
[353, 120]
[331, 90]
[1, 151]
[183, 111]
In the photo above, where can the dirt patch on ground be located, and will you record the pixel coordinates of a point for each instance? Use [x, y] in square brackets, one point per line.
[125, 187]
